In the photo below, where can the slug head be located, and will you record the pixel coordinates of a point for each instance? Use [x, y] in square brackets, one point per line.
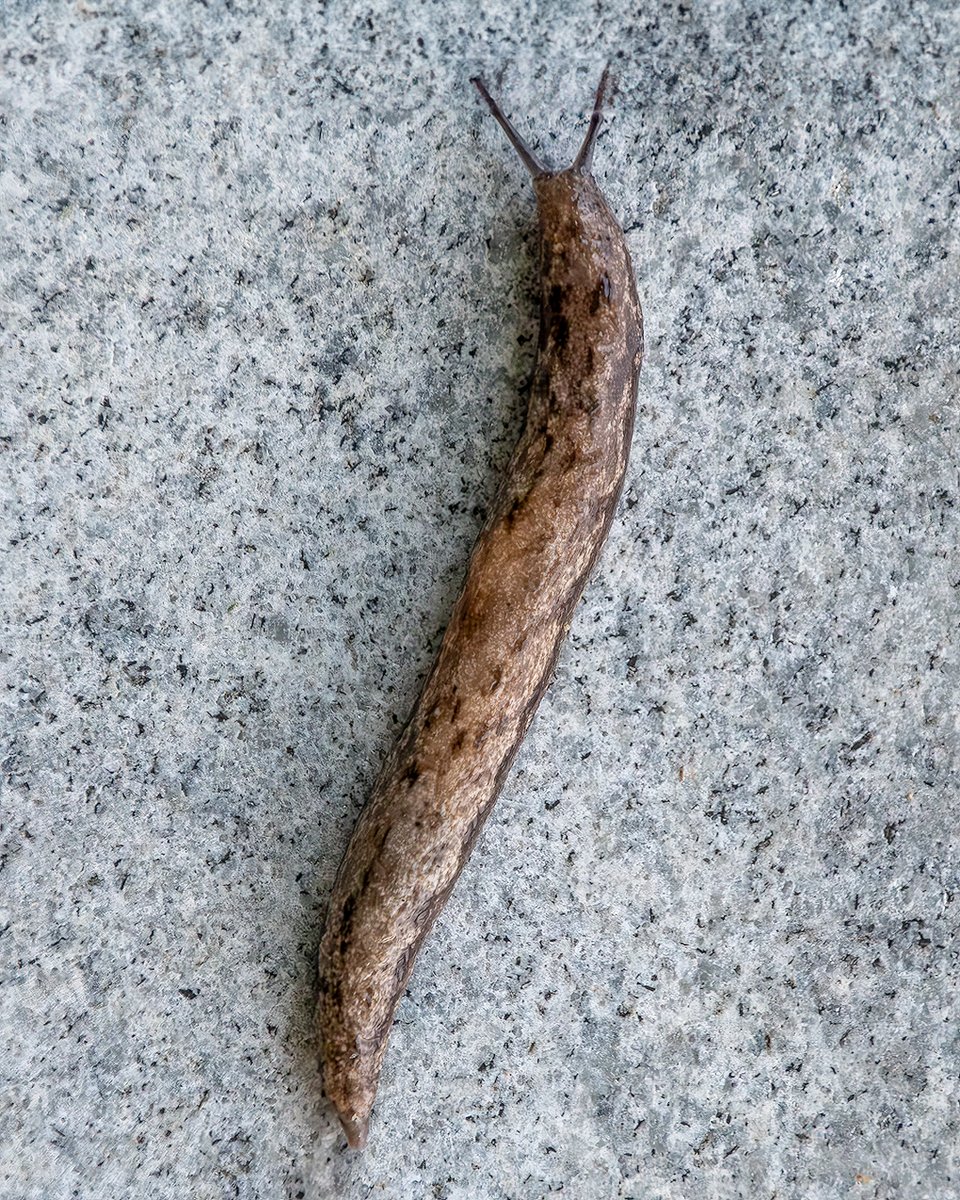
[583, 162]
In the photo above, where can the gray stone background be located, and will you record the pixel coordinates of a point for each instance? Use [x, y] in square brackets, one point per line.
[268, 310]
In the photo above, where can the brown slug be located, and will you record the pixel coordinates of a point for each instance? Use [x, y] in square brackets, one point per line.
[527, 570]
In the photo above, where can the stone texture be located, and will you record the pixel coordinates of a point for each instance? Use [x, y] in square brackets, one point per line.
[268, 309]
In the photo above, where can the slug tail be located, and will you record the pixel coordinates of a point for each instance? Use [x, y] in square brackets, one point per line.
[529, 159]
[356, 1128]
[584, 160]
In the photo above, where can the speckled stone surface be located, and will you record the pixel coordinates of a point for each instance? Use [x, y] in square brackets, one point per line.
[268, 308]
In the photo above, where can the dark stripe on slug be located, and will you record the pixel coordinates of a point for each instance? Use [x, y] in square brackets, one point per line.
[346, 922]
[365, 881]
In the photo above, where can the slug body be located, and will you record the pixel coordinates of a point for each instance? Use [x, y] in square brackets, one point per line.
[526, 573]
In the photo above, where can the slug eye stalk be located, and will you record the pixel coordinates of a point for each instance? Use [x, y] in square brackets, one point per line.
[584, 159]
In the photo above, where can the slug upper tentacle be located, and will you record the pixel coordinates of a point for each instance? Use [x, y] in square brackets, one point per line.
[526, 573]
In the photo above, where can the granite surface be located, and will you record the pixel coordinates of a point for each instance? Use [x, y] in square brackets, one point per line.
[268, 309]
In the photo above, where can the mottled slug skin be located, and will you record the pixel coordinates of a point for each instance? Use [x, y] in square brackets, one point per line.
[525, 575]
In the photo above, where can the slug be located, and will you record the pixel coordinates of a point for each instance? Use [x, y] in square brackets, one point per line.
[527, 570]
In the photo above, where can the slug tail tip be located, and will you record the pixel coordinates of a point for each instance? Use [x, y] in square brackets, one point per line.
[356, 1128]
